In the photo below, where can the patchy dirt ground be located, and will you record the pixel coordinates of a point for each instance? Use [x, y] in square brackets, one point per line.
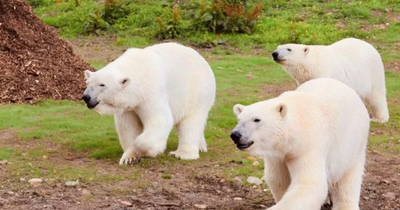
[97, 50]
[195, 185]
[190, 186]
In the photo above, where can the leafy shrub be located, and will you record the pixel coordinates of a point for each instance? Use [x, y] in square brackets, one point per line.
[115, 10]
[39, 3]
[172, 28]
[102, 20]
[228, 16]
[95, 23]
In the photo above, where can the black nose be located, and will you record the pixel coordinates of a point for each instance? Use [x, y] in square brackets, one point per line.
[236, 136]
[275, 55]
[86, 98]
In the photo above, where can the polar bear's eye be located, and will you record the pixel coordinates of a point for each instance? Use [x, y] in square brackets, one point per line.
[289, 49]
[256, 120]
[102, 85]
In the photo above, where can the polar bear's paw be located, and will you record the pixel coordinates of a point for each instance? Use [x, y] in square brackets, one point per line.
[186, 153]
[129, 158]
[379, 120]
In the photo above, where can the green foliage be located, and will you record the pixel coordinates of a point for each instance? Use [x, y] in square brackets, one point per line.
[172, 28]
[39, 3]
[227, 22]
[94, 23]
[228, 16]
[102, 20]
[166, 176]
[114, 11]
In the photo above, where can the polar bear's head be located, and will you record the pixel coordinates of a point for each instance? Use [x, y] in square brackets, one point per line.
[260, 128]
[105, 91]
[291, 54]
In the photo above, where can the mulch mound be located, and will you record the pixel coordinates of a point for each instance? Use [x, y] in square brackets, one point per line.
[34, 63]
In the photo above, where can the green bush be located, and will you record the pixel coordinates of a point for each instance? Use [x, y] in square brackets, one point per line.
[102, 20]
[39, 3]
[172, 28]
[94, 23]
[115, 10]
[227, 16]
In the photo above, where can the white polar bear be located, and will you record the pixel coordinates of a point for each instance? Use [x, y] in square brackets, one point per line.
[149, 91]
[351, 61]
[313, 140]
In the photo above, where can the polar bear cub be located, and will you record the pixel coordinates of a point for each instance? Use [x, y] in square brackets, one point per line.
[351, 61]
[313, 140]
[149, 91]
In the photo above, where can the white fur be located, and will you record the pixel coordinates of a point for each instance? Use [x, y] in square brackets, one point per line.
[149, 91]
[313, 140]
[351, 61]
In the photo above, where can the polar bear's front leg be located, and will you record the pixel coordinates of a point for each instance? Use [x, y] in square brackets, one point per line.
[309, 186]
[276, 174]
[191, 137]
[128, 126]
[157, 125]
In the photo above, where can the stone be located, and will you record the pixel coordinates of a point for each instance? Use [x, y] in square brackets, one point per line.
[254, 180]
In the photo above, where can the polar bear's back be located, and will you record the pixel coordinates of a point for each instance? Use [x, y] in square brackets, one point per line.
[347, 123]
[336, 97]
[189, 79]
[356, 63]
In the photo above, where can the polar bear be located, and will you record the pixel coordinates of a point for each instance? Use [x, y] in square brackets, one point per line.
[351, 61]
[149, 91]
[313, 140]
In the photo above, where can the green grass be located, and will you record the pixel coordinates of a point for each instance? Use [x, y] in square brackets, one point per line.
[73, 129]
[166, 176]
[62, 122]
[5, 153]
[83, 132]
[306, 21]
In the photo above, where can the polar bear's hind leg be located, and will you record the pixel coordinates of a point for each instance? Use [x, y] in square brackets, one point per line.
[191, 137]
[346, 193]
[377, 101]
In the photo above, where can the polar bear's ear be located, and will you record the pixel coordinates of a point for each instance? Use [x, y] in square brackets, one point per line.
[87, 74]
[306, 50]
[238, 108]
[125, 82]
[282, 109]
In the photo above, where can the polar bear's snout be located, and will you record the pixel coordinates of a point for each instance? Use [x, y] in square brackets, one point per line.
[240, 142]
[275, 55]
[278, 57]
[236, 136]
[90, 102]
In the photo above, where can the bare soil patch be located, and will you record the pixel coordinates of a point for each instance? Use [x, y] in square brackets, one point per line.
[393, 66]
[274, 90]
[97, 49]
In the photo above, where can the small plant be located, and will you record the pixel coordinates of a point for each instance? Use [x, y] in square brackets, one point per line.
[39, 3]
[228, 16]
[94, 23]
[103, 20]
[115, 10]
[172, 28]
[166, 176]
